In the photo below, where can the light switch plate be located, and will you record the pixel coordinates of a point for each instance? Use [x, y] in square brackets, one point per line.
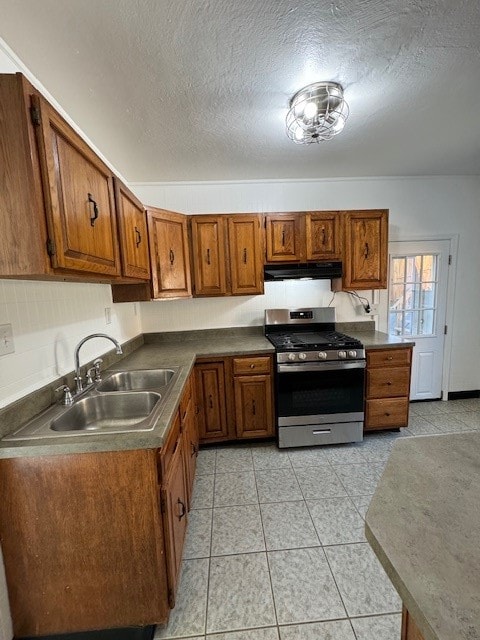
[6, 339]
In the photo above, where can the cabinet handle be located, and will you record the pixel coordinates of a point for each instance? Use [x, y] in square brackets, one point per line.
[184, 509]
[194, 450]
[95, 210]
[389, 384]
[254, 408]
[138, 237]
[387, 414]
[245, 256]
[210, 401]
[197, 409]
[390, 358]
[208, 256]
[172, 257]
[283, 236]
[324, 237]
[252, 366]
[366, 252]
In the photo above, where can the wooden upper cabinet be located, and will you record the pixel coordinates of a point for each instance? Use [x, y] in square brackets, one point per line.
[169, 253]
[79, 199]
[323, 235]
[366, 250]
[132, 227]
[208, 254]
[245, 252]
[285, 237]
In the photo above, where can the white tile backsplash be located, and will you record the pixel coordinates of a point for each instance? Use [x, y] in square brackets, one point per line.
[239, 311]
[48, 320]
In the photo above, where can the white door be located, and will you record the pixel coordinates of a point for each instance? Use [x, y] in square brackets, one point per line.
[417, 297]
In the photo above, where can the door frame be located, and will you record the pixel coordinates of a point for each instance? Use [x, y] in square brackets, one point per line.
[453, 239]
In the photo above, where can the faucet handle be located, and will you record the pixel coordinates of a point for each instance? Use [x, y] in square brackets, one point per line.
[67, 394]
[96, 366]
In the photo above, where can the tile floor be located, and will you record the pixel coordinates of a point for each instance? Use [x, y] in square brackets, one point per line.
[275, 548]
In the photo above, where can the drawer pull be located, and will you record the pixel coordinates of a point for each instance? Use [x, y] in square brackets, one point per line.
[387, 414]
[389, 383]
[252, 366]
[320, 432]
[390, 358]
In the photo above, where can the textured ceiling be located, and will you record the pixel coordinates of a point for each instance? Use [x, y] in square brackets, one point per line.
[198, 89]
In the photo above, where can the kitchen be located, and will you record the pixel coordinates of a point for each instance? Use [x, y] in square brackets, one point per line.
[50, 318]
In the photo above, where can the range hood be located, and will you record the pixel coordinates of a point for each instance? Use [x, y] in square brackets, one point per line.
[307, 271]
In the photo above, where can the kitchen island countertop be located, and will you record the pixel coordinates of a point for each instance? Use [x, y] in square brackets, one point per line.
[423, 524]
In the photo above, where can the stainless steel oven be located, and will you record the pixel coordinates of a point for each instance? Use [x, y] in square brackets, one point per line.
[319, 379]
[319, 402]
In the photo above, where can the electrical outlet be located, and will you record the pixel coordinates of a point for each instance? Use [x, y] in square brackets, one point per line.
[108, 315]
[6, 339]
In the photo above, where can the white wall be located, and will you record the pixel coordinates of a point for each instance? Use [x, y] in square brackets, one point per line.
[419, 208]
[49, 318]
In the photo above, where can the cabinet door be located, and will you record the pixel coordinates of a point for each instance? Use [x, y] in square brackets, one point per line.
[323, 235]
[174, 503]
[78, 191]
[246, 259]
[365, 261]
[170, 255]
[189, 434]
[210, 396]
[132, 227]
[208, 253]
[410, 631]
[253, 406]
[285, 237]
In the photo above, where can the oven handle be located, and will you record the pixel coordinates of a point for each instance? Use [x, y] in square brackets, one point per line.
[320, 366]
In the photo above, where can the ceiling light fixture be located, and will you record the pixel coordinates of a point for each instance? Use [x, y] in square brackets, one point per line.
[317, 112]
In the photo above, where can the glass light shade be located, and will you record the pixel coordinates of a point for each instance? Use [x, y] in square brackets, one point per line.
[319, 111]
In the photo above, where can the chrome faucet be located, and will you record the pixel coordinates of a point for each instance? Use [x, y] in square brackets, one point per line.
[78, 377]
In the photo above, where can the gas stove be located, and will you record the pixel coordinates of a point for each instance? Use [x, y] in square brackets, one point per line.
[319, 378]
[308, 335]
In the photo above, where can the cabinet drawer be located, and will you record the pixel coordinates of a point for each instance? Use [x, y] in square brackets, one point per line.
[388, 382]
[381, 414]
[388, 357]
[244, 366]
[170, 446]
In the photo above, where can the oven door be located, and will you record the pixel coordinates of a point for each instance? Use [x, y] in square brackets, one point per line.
[320, 393]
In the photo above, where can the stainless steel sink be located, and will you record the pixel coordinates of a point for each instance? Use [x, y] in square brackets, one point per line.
[124, 402]
[136, 380]
[108, 412]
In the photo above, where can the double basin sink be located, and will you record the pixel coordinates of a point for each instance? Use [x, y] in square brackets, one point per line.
[123, 402]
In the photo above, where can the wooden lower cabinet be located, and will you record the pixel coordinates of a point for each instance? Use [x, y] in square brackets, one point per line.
[174, 510]
[410, 631]
[234, 398]
[211, 401]
[83, 542]
[387, 388]
[190, 437]
[253, 406]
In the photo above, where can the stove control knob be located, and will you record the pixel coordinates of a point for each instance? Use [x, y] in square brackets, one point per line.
[322, 355]
[352, 354]
[342, 354]
[291, 356]
[302, 356]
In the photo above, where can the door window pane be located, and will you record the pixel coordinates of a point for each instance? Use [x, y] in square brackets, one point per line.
[412, 295]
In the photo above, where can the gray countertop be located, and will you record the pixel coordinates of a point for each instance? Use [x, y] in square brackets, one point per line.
[424, 525]
[179, 349]
[160, 352]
